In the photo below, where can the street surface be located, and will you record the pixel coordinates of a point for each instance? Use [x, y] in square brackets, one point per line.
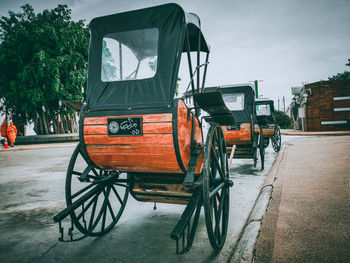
[308, 216]
[32, 181]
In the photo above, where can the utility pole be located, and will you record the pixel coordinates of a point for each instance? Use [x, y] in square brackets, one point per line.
[278, 103]
[256, 87]
[284, 104]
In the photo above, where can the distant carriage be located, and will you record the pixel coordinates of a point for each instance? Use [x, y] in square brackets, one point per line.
[265, 114]
[242, 139]
[135, 137]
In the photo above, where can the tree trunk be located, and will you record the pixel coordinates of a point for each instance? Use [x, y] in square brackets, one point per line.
[45, 126]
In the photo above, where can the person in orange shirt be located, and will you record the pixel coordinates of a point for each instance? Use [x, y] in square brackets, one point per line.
[11, 134]
[3, 129]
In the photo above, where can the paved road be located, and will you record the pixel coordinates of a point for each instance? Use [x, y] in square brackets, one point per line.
[32, 192]
[308, 216]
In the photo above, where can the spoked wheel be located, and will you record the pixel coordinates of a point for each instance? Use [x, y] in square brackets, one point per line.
[216, 185]
[255, 150]
[104, 198]
[276, 139]
[261, 148]
[266, 142]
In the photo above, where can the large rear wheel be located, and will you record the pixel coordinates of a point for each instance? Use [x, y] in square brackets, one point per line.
[216, 185]
[104, 198]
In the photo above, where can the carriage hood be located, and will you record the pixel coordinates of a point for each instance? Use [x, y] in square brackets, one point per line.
[248, 112]
[264, 101]
[160, 34]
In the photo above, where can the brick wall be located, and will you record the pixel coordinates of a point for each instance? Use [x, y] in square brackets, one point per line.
[321, 105]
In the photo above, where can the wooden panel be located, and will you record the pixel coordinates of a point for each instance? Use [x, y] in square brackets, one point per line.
[144, 139]
[242, 136]
[131, 149]
[146, 118]
[154, 128]
[153, 152]
[184, 136]
[184, 127]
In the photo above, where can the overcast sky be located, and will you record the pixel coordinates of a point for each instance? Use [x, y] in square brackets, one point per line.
[283, 43]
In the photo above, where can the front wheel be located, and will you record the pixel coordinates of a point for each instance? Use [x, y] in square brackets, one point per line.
[216, 185]
[262, 148]
[104, 198]
[276, 139]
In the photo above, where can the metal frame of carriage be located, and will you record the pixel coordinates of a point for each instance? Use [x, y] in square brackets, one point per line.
[265, 114]
[136, 138]
[242, 139]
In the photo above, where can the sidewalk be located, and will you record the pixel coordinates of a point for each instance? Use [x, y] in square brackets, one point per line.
[308, 218]
[37, 146]
[312, 133]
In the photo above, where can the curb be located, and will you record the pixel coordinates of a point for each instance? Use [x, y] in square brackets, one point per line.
[38, 147]
[54, 138]
[244, 250]
[314, 133]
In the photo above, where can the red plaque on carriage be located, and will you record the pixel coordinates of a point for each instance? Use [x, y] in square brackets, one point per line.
[129, 126]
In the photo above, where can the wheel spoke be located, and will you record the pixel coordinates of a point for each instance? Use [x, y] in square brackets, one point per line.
[82, 190]
[105, 210]
[94, 171]
[218, 165]
[87, 207]
[116, 193]
[102, 210]
[92, 214]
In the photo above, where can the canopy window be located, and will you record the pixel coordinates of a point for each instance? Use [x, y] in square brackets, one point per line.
[263, 110]
[234, 102]
[130, 55]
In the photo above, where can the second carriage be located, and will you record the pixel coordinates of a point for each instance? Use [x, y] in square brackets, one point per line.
[265, 114]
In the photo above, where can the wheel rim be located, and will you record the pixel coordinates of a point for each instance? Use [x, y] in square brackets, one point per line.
[102, 210]
[216, 187]
[262, 148]
[266, 142]
[276, 140]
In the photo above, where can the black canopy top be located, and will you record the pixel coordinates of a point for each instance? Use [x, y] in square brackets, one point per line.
[151, 38]
[266, 112]
[265, 101]
[245, 92]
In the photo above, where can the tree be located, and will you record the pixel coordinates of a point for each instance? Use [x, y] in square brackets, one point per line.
[342, 76]
[282, 119]
[43, 61]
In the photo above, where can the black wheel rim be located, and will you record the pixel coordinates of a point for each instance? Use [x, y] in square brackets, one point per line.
[216, 187]
[262, 148]
[99, 213]
[276, 140]
[266, 142]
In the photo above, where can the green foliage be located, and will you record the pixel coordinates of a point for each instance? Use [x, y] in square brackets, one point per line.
[282, 119]
[342, 76]
[108, 70]
[43, 60]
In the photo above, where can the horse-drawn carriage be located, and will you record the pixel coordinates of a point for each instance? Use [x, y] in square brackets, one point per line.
[242, 140]
[136, 138]
[265, 114]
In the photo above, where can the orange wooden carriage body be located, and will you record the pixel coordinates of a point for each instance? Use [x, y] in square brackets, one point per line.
[162, 152]
[238, 137]
[268, 130]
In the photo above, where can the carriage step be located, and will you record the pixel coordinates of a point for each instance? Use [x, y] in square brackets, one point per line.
[185, 231]
[196, 152]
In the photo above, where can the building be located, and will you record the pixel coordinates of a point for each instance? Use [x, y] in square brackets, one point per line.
[322, 106]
